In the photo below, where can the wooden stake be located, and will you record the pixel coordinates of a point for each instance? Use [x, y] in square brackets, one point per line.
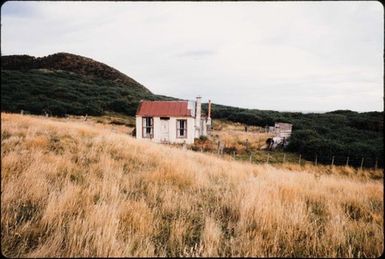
[347, 161]
[362, 162]
[332, 160]
[315, 161]
[376, 164]
[250, 158]
[284, 158]
[299, 160]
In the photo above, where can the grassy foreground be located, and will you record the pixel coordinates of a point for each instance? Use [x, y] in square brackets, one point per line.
[70, 189]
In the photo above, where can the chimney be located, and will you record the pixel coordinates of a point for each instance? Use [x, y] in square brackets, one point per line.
[209, 114]
[198, 117]
[209, 110]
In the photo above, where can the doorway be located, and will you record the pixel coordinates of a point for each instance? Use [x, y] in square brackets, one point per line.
[164, 129]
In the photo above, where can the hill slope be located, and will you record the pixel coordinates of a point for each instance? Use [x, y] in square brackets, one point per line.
[71, 190]
[64, 83]
[69, 62]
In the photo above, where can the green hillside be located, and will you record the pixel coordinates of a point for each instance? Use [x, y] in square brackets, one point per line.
[68, 84]
[62, 92]
[69, 62]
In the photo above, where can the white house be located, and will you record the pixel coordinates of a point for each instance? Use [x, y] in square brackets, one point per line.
[172, 121]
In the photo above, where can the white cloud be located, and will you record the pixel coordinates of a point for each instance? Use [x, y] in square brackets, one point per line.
[264, 55]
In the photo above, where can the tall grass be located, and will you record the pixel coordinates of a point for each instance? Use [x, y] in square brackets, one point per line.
[70, 189]
[239, 140]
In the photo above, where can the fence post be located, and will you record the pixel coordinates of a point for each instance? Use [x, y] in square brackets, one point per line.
[250, 158]
[284, 158]
[347, 161]
[234, 155]
[299, 160]
[376, 164]
[315, 160]
[220, 147]
[362, 162]
[332, 161]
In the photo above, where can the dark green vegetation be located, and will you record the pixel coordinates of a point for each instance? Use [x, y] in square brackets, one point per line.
[62, 92]
[68, 84]
[64, 83]
[339, 133]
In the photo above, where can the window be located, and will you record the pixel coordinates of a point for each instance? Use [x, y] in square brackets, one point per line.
[181, 128]
[148, 127]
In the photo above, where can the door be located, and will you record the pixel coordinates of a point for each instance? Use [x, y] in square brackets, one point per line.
[164, 132]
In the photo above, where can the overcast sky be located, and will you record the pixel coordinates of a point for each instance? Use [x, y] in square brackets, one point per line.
[285, 56]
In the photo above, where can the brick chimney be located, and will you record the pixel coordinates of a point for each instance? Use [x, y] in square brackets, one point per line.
[198, 117]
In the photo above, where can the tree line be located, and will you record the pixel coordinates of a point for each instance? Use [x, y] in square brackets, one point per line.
[341, 133]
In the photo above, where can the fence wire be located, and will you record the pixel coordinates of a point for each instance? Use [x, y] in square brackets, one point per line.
[338, 160]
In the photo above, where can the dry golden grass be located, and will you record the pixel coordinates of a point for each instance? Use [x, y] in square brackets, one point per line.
[238, 139]
[219, 125]
[115, 123]
[71, 189]
[345, 171]
[233, 135]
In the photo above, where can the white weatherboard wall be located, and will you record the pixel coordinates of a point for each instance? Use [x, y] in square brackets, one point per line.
[138, 124]
[156, 130]
[190, 130]
[171, 132]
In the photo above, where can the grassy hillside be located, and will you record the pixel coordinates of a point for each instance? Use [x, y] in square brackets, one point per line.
[71, 189]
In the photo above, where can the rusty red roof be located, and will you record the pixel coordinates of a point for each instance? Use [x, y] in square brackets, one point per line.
[163, 109]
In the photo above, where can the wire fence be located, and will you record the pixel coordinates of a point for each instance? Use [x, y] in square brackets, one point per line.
[317, 159]
[347, 160]
[279, 156]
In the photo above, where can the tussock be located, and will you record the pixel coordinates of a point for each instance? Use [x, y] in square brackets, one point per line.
[70, 189]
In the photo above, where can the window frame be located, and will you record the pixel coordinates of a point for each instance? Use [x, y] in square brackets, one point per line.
[179, 128]
[149, 135]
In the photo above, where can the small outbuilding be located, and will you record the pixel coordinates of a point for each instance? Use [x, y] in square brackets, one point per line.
[283, 130]
[172, 121]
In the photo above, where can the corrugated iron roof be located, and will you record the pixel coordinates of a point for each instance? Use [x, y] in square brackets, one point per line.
[164, 109]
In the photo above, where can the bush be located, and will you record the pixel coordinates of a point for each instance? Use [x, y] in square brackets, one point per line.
[203, 138]
[341, 132]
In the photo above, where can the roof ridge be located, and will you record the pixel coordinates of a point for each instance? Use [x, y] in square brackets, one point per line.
[164, 101]
[158, 108]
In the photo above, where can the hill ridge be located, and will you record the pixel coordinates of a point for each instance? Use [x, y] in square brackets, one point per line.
[65, 83]
[68, 62]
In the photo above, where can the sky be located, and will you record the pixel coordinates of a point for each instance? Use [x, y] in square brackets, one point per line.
[284, 56]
